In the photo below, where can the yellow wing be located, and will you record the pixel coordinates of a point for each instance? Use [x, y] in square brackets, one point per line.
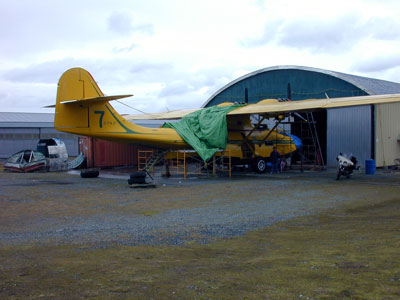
[170, 115]
[273, 107]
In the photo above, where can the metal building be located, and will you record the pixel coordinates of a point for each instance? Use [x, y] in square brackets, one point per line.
[20, 131]
[369, 131]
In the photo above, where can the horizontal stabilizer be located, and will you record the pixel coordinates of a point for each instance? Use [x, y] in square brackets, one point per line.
[96, 99]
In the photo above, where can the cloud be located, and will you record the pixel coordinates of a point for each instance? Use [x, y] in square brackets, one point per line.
[320, 35]
[122, 23]
[118, 71]
[269, 35]
[3, 95]
[145, 28]
[42, 73]
[195, 88]
[261, 4]
[383, 28]
[175, 89]
[191, 50]
[148, 67]
[377, 64]
[317, 35]
[203, 80]
[325, 35]
[26, 97]
[28, 28]
[129, 48]
[151, 82]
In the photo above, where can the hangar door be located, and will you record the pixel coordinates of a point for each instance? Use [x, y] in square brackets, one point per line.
[387, 133]
[349, 131]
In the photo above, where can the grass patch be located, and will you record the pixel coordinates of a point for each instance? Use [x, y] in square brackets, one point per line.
[351, 253]
[149, 213]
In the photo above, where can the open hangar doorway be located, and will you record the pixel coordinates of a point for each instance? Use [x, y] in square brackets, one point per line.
[311, 128]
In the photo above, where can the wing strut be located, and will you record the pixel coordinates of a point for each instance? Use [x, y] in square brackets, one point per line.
[273, 128]
[255, 127]
[246, 145]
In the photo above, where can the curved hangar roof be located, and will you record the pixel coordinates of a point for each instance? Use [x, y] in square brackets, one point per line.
[300, 83]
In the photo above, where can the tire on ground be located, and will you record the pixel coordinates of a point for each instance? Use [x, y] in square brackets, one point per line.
[90, 173]
[139, 177]
[138, 174]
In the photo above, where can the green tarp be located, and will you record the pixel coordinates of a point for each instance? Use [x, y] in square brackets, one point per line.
[205, 130]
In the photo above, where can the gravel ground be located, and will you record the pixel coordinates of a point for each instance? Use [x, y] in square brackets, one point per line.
[62, 208]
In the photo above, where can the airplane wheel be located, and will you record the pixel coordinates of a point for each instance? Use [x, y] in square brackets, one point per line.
[259, 165]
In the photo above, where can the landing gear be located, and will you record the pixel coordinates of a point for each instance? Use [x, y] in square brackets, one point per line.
[259, 165]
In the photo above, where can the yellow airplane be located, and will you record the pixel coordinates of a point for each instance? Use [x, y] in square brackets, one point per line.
[83, 109]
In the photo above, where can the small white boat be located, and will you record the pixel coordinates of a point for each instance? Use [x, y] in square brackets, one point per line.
[26, 161]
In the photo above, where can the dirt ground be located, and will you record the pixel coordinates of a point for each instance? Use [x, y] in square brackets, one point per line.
[287, 236]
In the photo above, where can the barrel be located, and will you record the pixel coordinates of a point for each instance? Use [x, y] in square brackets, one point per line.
[370, 166]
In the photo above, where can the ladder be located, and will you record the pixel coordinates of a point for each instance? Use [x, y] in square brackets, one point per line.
[315, 140]
[143, 156]
[153, 160]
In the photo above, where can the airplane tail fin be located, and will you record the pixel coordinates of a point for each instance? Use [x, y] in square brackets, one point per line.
[81, 105]
[83, 109]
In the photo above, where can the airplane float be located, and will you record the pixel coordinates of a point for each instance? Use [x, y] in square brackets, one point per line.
[82, 108]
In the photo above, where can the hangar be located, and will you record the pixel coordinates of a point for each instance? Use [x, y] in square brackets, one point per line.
[21, 131]
[368, 132]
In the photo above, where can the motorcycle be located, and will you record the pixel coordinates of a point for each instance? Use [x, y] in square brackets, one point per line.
[346, 165]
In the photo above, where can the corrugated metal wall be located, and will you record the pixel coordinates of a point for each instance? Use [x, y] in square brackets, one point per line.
[274, 84]
[387, 131]
[13, 140]
[349, 132]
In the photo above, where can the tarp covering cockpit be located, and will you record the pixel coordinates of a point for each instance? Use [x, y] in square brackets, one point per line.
[205, 130]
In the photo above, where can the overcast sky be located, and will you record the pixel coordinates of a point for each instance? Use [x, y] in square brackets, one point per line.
[175, 54]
